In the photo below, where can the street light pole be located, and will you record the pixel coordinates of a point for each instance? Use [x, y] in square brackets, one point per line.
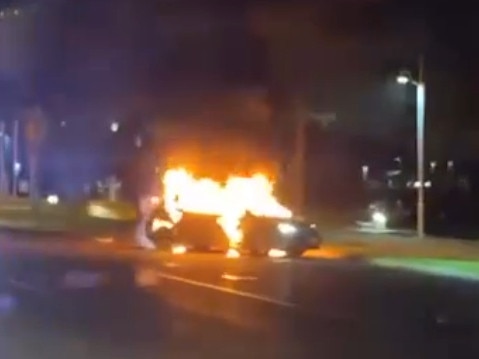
[15, 164]
[404, 78]
[420, 119]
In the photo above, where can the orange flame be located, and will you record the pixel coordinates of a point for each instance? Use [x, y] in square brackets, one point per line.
[229, 201]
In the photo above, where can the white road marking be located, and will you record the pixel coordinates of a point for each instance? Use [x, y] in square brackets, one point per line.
[258, 297]
[234, 277]
[281, 261]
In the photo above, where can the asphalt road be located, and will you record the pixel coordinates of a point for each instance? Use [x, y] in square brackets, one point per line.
[207, 306]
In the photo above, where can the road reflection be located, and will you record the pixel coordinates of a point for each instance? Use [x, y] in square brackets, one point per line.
[94, 325]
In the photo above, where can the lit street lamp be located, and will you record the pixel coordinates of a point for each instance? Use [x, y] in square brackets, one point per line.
[114, 126]
[403, 78]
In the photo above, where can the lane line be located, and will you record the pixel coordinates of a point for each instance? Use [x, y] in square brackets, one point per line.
[234, 277]
[239, 293]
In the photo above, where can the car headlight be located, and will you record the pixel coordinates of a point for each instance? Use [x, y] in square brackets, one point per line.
[287, 228]
[53, 199]
[379, 218]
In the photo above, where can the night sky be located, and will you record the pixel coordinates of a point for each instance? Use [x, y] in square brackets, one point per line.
[97, 59]
[244, 65]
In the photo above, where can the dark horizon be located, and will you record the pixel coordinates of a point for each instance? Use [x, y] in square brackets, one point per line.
[97, 60]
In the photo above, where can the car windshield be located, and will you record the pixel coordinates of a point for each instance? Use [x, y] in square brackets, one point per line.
[247, 178]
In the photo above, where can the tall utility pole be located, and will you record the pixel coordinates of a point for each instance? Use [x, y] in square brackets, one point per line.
[421, 106]
[15, 162]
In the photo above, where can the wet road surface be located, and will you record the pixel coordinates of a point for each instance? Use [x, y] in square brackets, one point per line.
[207, 306]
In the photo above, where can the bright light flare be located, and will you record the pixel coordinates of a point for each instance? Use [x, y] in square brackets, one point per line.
[233, 253]
[114, 126]
[277, 253]
[427, 184]
[53, 199]
[17, 167]
[178, 249]
[287, 228]
[379, 218]
[229, 201]
[402, 79]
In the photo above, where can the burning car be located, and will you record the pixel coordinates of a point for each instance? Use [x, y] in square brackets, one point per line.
[238, 216]
[278, 237]
[274, 237]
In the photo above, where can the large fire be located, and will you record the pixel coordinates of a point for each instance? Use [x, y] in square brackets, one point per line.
[230, 201]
